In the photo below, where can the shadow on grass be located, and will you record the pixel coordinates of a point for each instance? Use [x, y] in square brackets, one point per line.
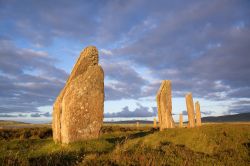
[247, 145]
[55, 159]
[121, 140]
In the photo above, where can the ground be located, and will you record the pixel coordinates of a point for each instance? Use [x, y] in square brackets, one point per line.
[210, 144]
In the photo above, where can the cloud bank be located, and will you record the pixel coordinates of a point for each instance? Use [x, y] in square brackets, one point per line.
[140, 111]
[202, 46]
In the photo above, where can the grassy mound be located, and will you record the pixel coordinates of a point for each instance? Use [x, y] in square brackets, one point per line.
[215, 144]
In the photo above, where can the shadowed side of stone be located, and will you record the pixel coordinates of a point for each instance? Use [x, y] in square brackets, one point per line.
[78, 110]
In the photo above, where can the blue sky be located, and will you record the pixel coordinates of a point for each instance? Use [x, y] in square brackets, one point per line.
[202, 46]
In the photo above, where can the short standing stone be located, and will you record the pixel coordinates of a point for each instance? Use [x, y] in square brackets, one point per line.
[137, 124]
[190, 110]
[155, 123]
[78, 109]
[164, 104]
[198, 113]
[180, 121]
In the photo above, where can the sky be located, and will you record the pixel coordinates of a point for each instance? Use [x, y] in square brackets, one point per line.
[203, 47]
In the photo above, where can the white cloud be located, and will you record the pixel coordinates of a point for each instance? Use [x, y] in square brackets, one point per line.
[106, 52]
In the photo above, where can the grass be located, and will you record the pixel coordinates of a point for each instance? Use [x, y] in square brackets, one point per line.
[211, 144]
[8, 123]
[19, 125]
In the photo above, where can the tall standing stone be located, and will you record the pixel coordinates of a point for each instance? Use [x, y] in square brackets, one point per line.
[180, 120]
[190, 110]
[164, 104]
[78, 109]
[198, 113]
[155, 123]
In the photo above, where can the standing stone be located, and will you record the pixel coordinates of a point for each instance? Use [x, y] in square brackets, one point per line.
[155, 123]
[78, 110]
[180, 120]
[198, 113]
[190, 110]
[164, 104]
[137, 124]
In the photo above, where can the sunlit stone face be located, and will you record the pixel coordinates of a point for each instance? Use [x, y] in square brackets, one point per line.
[91, 53]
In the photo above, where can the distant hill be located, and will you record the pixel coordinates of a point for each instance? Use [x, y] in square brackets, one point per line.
[243, 117]
[130, 122]
[7, 122]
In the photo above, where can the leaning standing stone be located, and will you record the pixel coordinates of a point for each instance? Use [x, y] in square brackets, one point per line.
[78, 109]
[164, 104]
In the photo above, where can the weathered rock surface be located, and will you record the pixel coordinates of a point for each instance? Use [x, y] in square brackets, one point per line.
[78, 110]
[180, 120]
[164, 104]
[190, 110]
[198, 113]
